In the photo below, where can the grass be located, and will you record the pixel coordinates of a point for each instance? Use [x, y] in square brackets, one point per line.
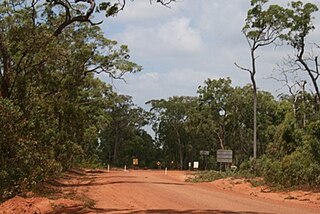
[208, 176]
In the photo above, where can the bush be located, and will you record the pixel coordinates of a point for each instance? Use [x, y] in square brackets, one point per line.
[295, 169]
[207, 176]
[25, 161]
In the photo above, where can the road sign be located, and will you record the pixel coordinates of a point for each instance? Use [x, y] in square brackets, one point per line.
[224, 156]
[135, 162]
[195, 164]
[203, 152]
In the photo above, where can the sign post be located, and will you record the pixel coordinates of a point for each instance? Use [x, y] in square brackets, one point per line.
[135, 163]
[204, 153]
[195, 164]
[224, 156]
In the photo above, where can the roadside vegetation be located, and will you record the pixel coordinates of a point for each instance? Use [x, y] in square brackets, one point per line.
[56, 114]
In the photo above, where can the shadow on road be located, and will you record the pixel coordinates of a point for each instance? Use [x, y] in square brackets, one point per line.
[92, 183]
[82, 210]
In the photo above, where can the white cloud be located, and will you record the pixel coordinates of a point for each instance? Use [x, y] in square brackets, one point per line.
[156, 85]
[141, 11]
[180, 36]
[181, 47]
[175, 37]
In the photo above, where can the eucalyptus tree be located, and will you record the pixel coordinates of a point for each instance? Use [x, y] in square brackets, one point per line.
[240, 127]
[50, 84]
[48, 19]
[262, 28]
[299, 25]
[225, 117]
[123, 135]
[169, 122]
[214, 101]
[81, 11]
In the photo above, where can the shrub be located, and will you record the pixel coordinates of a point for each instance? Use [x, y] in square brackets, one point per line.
[25, 161]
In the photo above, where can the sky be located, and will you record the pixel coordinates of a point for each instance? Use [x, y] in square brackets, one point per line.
[182, 46]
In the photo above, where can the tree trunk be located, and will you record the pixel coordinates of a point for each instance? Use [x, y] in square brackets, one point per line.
[180, 153]
[179, 145]
[313, 74]
[4, 76]
[254, 123]
[115, 149]
[252, 75]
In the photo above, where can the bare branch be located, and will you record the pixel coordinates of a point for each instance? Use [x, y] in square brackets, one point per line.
[244, 69]
[69, 19]
[113, 73]
[33, 5]
[164, 2]
[317, 67]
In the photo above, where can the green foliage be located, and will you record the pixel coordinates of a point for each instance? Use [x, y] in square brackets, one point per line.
[24, 162]
[264, 25]
[291, 159]
[208, 176]
[52, 105]
[299, 23]
[56, 114]
[287, 138]
[124, 139]
[111, 9]
[171, 123]
[296, 169]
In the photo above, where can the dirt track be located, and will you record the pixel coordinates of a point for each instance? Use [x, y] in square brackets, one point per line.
[154, 192]
[146, 191]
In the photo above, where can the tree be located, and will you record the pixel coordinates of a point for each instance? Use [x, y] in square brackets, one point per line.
[73, 12]
[262, 28]
[49, 89]
[214, 98]
[122, 138]
[232, 127]
[299, 25]
[169, 123]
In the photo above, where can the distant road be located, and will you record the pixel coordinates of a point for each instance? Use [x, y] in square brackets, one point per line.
[146, 191]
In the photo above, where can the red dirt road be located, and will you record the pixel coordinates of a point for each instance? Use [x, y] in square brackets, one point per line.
[154, 192]
[147, 191]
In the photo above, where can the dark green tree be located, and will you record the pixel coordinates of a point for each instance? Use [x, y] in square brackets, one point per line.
[124, 137]
[49, 89]
[170, 125]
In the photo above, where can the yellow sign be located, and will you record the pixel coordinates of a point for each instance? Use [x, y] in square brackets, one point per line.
[135, 162]
[158, 163]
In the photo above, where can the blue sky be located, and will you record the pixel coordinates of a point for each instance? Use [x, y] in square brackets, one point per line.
[182, 46]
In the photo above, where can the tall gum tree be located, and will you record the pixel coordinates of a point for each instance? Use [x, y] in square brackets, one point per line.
[50, 83]
[170, 123]
[299, 25]
[262, 28]
[214, 99]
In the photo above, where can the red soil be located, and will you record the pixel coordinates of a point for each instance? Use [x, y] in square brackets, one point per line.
[146, 191]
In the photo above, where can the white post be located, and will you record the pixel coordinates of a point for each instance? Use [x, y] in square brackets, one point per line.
[125, 168]
[166, 171]
[108, 168]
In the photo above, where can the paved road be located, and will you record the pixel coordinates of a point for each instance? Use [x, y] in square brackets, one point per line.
[145, 191]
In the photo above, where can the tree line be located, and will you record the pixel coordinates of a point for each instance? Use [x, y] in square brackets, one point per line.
[56, 114]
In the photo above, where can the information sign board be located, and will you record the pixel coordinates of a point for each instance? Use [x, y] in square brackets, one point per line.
[224, 156]
[203, 152]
